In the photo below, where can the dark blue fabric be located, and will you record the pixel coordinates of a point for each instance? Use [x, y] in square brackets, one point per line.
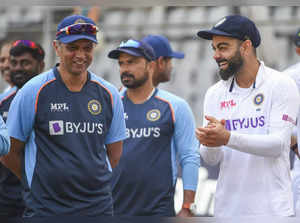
[142, 182]
[71, 175]
[11, 202]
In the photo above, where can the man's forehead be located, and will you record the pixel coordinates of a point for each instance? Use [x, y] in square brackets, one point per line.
[25, 55]
[124, 56]
[80, 42]
[217, 40]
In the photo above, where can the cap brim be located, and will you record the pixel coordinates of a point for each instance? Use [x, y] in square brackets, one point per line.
[177, 55]
[72, 38]
[114, 54]
[208, 34]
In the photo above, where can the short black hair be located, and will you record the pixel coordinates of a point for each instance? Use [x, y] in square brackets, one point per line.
[37, 53]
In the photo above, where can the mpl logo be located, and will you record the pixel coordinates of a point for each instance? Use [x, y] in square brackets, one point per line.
[56, 127]
[228, 104]
[59, 107]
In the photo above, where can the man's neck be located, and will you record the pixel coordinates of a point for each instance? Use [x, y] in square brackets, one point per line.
[73, 82]
[247, 75]
[141, 94]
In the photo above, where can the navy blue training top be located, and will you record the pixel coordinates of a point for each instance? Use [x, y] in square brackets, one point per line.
[11, 202]
[65, 170]
[159, 131]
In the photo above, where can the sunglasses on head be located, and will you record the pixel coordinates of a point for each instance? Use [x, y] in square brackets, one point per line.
[79, 28]
[137, 45]
[27, 43]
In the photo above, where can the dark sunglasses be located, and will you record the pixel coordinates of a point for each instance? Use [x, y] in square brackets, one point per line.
[79, 28]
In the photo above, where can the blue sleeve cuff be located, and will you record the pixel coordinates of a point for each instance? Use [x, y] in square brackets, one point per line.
[190, 176]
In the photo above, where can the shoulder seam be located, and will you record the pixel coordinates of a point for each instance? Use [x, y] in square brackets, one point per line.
[170, 105]
[39, 91]
[108, 91]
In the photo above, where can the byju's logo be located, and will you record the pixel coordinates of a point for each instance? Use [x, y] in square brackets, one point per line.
[60, 127]
[59, 107]
[245, 123]
[56, 127]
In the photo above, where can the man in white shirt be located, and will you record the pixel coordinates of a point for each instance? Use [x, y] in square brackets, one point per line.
[248, 120]
[294, 72]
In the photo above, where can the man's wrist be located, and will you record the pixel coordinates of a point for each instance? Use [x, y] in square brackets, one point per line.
[191, 207]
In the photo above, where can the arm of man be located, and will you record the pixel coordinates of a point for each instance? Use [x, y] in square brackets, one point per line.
[117, 130]
[114, 152]
[19, 123]
[4, 138]
[13, 159]
[186, 145]
[282, 118]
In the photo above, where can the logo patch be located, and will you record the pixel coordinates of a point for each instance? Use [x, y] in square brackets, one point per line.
[56, 127]
[153, 115]
[227, 104]
[258, 99]
[59, 107]
[79, 21]
[94, 107]
[220, 22]
[287, 118]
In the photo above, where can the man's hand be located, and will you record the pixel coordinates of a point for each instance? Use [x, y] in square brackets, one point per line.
[214, 134]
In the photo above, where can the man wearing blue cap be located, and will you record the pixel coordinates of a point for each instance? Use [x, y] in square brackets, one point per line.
[160, 128]
[248, 119]
[162, 73]
[163, 57]
[67, 121]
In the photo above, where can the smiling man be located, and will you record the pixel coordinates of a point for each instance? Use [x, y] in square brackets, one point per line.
[248, 121]
[66, 122]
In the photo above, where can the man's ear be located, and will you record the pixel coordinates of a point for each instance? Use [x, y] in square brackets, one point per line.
[42, 66]
[56, 47]
[160, 62]
[246, 47]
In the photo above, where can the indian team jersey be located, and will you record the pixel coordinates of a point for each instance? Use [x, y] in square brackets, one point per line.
[253, 185]
[158, 130]
[65, 169]
[11, 202]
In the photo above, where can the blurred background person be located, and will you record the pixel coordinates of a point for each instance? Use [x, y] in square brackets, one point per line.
[5, 68]
[294, 72]
[26, 61]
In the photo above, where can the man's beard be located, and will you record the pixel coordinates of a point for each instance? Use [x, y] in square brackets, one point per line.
[19, 78]
[134, 83]
[234, 65]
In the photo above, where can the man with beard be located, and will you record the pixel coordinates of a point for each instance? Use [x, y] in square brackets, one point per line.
[248, 120]
[26, 61]
[160, 128]
[63, 125]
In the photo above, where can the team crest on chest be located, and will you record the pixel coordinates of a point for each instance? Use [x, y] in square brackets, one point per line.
[94, 107]
[153, 115]
[258, 99]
